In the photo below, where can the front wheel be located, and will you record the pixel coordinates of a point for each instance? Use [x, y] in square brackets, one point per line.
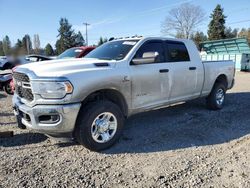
[99, 125]
[216, 99]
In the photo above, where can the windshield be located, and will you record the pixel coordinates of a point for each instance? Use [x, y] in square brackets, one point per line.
[70, 53]
[115, 50]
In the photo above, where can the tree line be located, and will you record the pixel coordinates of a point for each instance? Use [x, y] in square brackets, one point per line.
[67, 38]
[184, 21]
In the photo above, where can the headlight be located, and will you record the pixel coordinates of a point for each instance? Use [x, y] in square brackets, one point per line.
[52, 90]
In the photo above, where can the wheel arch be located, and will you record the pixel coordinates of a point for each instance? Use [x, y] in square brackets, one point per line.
[222, 78]
[112, 95]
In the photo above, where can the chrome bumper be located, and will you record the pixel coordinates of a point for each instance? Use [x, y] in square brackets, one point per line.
[30, 117]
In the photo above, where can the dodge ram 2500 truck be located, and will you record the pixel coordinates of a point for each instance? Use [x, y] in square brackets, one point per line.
[88, 99]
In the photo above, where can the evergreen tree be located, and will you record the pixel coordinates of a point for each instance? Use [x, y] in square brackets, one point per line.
[19, 44]
[49, 50]
[198, 38]
[1, 49]
[229, 33]
[6, 45]
[26, 44]
[216, 27]
[245, 33]
[67, 36]
[105, 40]
[18, 48]
[79, 39]
[242, 32]
[102, 41]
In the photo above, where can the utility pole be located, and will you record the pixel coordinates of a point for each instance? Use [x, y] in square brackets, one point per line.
[27, 45]
[86, 25]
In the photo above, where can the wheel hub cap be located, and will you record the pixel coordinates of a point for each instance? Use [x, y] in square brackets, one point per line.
[220, 96]
[104, 127]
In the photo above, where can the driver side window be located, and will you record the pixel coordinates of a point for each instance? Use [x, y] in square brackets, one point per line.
[151, 47]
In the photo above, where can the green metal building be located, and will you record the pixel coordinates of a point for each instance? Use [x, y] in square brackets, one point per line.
[236, 49]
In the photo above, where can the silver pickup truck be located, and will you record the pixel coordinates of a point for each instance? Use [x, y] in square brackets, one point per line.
[88, 99]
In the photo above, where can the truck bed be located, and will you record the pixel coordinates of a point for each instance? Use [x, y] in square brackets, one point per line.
[214, 68]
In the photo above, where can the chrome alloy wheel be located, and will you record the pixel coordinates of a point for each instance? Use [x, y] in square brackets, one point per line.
[104, 127]
[220, 96]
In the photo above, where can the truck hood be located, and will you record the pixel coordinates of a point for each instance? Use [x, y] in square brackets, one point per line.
[62, 67]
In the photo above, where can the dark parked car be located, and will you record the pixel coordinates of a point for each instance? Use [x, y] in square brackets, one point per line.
[5, 82]
[10, 62]
[36, 58]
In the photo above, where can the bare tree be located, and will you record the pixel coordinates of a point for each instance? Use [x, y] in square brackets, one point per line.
[183, 21]
[36, 43]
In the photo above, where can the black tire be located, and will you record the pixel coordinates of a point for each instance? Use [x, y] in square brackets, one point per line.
[86, 117]
[19, 123]
[7, 88]
[211, 100]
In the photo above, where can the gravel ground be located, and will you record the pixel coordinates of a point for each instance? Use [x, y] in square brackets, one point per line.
[180, 146]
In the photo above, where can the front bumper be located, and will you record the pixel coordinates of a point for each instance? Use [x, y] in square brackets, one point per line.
[31, 117]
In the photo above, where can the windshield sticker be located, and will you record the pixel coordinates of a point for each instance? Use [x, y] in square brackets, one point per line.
[129, 43]
[78, 50]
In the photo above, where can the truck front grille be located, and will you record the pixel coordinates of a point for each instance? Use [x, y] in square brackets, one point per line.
[22, 86]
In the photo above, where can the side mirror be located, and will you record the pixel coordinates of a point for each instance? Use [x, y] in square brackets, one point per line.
[147, 57]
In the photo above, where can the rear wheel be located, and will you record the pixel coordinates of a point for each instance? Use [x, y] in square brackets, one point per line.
[99, 125]
[216, 99]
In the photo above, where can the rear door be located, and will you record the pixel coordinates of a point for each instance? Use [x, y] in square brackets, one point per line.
[150, 82]
[183, 71]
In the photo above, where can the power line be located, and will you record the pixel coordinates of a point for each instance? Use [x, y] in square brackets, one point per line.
[241, 21]
[145, 12]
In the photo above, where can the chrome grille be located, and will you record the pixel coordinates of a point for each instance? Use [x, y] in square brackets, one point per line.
[22, 86]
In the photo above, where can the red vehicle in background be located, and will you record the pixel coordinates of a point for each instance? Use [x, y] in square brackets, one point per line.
[76, 52]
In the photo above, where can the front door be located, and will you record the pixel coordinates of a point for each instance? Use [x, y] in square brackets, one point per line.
[150, 82]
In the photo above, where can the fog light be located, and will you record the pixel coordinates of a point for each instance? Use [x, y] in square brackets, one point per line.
[49, 119]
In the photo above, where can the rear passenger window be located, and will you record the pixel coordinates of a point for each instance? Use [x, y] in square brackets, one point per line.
[177, 52]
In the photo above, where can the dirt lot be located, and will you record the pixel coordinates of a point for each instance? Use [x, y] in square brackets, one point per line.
[181, 146]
